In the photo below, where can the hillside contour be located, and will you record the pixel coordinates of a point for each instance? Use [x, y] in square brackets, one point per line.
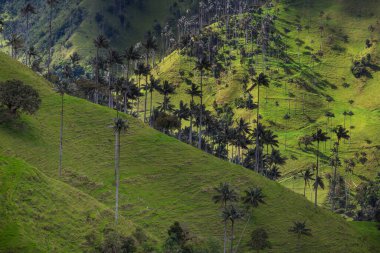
[163, 180]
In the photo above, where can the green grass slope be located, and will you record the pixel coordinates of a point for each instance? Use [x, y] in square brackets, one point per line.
[40, 214]
[302, 82]
[162, 180]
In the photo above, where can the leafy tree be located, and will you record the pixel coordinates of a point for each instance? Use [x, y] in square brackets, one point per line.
[259, 240]
[18, 97]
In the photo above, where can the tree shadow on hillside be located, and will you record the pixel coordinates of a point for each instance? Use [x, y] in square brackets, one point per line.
[16, 127]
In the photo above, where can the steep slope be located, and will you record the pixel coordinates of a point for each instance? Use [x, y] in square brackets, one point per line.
[40, 214]
[302, 87]
[163, 180]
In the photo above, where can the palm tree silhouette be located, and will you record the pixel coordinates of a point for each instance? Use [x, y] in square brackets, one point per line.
[300, 229]
[113, 58]
[261, 80]
[139, 71]
[16, 43]
[146, 88]
[202, 65]
[131, 54]
[153, 85]
[193, 91]
[224, 194]
[101, 42]
[307, 176]
[150, 46]
[26, 12]
[253, 198]
[182, 113]
[120, 126]
[318, 137]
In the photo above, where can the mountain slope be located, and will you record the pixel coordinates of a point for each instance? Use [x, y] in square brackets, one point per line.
[162, 180]
[300, 87]
[40, 214]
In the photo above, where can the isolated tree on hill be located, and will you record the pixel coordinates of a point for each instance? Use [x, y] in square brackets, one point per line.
[307, 176]
[193, 91]
[202, 65]
[18, 97]
[51, 4]
[224, 194]
[119, 127]
[259, 240]
[253, 198]
[300, 229]
[318, 137]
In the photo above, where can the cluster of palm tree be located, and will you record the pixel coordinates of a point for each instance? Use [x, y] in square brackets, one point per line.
[231, 212]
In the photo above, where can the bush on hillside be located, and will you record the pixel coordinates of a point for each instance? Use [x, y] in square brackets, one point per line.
[17, 97]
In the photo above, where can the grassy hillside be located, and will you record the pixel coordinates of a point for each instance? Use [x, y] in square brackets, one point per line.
[163, 180]
[301, 87]
[40, 214]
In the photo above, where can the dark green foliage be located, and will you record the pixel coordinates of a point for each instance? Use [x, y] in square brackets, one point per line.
[259, 240]
[368, 198]
[17, 97]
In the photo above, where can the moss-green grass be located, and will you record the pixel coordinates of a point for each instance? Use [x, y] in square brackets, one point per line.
[162, 179]
[41, 214]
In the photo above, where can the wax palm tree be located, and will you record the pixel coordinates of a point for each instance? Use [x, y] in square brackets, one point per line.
[150, 46]
[269, 139]
[16, 43]
[31, 52]
[101, 42]
[131, 54]
[300, 229]
[139, 71]
[341, 133]
[202, 65]
[146, 88]
[261, 80]
[182, 113]
[51, 4]
[242, 130]
[193, 91]
[224, 194]
[166, 89]
[153, 85]
[120, 126]
[307, 176]
[253, 198]
[62, 89]
[166, 105]
[318, 183]
[318, 137]
[113, 58]
[232, 213]
[26, 12]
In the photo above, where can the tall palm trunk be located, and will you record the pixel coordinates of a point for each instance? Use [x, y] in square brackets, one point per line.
[138, 97]
[257, 129]
[225, 237]
[146, 97]
[117, 155]
[151, 108]
[50, 36]
[201, 115]
[61, 138]
[191, 123]
[232, 237]
[316, 178]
